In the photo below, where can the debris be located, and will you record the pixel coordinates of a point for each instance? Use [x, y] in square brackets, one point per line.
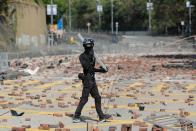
[51, 66]
[26, 126]
[18, 129]
[112, 128]
[14, 113]
[52, 91]
[126, 127]
[141, 107]
[143, 128]
[61, 125]
[44, 127]
[58, 114]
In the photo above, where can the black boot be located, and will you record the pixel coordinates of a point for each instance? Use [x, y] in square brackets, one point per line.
[105, 118]
[77, 119]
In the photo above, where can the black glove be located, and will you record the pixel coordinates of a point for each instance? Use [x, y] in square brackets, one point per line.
[102, 70]
[81, 76]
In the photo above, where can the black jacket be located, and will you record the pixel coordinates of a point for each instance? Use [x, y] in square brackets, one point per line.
[88, 64]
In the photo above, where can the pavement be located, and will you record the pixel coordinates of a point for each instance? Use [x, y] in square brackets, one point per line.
[51, 95]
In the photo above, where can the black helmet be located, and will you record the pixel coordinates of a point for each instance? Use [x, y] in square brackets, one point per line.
[88, 43]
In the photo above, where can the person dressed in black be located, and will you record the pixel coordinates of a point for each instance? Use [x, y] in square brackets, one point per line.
[87, 60]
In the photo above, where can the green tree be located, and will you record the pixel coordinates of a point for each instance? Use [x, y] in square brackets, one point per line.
[84, 12]
[3, 10]
[168, 15]
[131, 14]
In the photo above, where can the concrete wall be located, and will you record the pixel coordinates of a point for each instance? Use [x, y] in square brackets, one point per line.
[30, 23]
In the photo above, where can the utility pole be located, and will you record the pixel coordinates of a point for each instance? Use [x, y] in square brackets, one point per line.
[149, 8]
[190, 22]
[51, 22]
[150, 25]
[70, 22]
[99, 21]
[99, 10]
[112, 16]
[189, 6]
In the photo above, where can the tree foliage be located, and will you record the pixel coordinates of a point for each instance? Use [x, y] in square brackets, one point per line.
[3, 10]
[168, 14]
[130, 14]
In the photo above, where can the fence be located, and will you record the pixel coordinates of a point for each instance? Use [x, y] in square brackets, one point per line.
[134, 45]
[3, 62]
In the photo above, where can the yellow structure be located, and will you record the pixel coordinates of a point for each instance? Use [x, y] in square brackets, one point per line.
[29, 22]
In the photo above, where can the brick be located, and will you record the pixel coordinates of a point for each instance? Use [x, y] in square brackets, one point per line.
[143, 128]
[175, 99]
[44, 127]
[2, 97]
[76, 103]
[49, 101]
[92, 127]
[18, 129]
[191, 96]
[40, 100]
[115, 106]
[186, 113]
[126, 127]
[60, 99]
[146, 103]
[117, 96]
[181, 113]
[158, 129]
[26, 126]
[27, 119]
[58, 129]
[61, 125]
[105, 107]
[53, 126]
[51, 106]
[130, 95]
[162, 110]
[58, 114]
[93, 107]
[4, 120]
[135, 115]
[43, 106]
[140, 124]
[112, 128]
[68, 114]
[44, 95]
[60, 104]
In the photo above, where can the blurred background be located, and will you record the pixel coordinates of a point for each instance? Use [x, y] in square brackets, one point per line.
[50, 27]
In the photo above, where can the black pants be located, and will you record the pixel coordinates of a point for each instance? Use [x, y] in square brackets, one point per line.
[89, 87]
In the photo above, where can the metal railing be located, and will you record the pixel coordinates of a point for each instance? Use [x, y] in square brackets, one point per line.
[3, 62]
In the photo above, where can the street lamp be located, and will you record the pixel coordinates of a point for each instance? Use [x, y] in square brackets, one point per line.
[189, 6]
[117, 28]
[182, 24]
[88, 25]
